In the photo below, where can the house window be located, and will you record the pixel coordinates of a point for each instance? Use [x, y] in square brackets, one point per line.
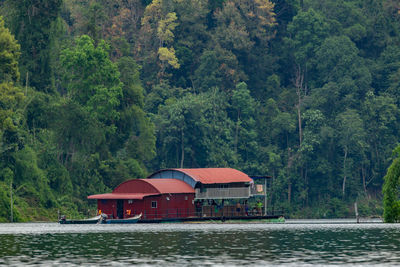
[154, 204]
[103, 201]
[186, 198]
[130, 201]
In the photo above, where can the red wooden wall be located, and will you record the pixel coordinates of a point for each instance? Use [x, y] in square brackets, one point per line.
[168, 206]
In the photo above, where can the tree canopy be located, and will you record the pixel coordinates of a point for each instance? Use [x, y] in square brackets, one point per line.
[95, 92]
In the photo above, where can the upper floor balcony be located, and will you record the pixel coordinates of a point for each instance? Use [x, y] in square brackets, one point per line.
[229, 192]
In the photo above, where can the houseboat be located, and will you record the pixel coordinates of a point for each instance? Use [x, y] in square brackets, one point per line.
[186, 195]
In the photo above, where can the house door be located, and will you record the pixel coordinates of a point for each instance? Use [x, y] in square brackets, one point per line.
[120, 209]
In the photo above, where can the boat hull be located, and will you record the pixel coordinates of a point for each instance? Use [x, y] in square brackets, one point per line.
[78, 221]
[120, 221]
[131, 220]
[102, 220]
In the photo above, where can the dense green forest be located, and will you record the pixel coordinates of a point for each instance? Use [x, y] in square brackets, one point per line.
[95, 92]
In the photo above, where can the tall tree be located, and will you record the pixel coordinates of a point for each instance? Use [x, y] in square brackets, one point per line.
[390, 190]
[11, 96]
[351, 138]
[195, 131]
[101, 118]
[9, 55]
[93, 89]
[34, 25]
[245, 133]
[244, 29]
[306, 33]
[157, 36]
[380, 116]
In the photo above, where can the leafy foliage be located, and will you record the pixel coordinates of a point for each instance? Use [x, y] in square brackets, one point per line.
[305, 91]
[390, 190]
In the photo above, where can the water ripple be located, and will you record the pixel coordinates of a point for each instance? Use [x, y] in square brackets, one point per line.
[51, 244]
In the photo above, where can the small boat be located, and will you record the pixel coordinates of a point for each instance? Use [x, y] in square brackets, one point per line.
[93, 220]
[133, 219]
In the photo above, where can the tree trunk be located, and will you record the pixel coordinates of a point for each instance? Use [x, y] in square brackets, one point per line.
[364, 180]
[301, 91]
[182, 148]
[306, 185]
[344, 171]
[176, 153]
[289, 165]
[237, 132]
[299, 84]
[11, 203]
[299, 121]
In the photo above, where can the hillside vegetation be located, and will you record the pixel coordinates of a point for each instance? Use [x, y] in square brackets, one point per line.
[95, 92]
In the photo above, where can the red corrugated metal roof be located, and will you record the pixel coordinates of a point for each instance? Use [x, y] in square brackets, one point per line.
[140, 188]
[216, 175]
[169, 186]
[120, 196]
[136, 186]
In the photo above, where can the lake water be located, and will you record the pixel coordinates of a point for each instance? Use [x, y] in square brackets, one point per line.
[296, 243]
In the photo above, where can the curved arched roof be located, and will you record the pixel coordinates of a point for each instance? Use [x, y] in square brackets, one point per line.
[140, 188]
[204, 175]
[170, 186]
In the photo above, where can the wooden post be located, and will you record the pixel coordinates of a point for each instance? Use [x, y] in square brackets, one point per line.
[265, 196]
[356, 212]
[222, 204]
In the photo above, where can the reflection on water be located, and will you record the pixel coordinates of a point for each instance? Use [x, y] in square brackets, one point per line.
[200, 244]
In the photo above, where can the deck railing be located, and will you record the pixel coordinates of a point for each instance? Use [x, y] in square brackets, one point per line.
[222, 193]
[206, 211]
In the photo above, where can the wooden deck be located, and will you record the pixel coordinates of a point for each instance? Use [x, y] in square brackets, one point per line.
[212, 218]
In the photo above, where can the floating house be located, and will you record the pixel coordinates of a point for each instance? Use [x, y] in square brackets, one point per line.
[173, 194]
